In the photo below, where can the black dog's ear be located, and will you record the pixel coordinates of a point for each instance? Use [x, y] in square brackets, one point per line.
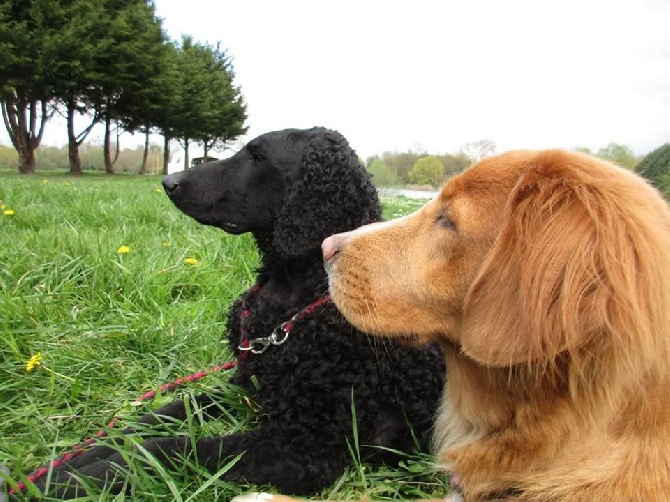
[332, 193]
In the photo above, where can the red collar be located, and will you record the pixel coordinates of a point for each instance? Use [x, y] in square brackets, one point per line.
[280, 334]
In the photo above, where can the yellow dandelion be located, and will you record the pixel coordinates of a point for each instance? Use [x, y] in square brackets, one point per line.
[9, 212]
[159, 190]
[67, 183]
[45, 181]
[166, 244]
[34, 361]
[123, 249]
[191, 261]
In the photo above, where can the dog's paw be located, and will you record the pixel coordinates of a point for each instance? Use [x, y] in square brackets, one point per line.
[253, 497]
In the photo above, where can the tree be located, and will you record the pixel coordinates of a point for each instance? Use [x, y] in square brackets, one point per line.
[78, 68]
[135, 45]
[478, 150]
[656, 167]
[382, 175]
[223, 119]
[454, 164]
[619, 154]
[210, 109]
[29, 31]
[106, 49]
[400, 164]
[427, 171]
[165, 97]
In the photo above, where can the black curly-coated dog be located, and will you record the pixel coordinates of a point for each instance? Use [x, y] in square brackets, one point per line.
[291, 189]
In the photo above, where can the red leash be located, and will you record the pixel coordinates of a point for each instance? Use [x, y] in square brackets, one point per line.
[278, 337]
[80, 448]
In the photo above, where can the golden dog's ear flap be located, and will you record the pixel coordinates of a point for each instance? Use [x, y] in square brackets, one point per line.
[550, 281]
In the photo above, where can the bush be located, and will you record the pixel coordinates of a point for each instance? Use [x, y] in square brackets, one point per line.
[382, 175]
[427, 171]
[656, 167]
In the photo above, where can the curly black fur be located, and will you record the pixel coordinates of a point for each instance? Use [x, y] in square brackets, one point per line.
[291, 189]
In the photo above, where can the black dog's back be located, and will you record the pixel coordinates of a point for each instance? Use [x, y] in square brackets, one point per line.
[291, 189]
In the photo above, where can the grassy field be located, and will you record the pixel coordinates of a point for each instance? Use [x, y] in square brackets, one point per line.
[111, 291]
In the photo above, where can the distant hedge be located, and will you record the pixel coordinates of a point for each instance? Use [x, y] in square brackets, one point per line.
[656, 167]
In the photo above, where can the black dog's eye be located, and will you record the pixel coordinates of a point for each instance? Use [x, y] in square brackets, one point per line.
[255, 154]
[445, 221]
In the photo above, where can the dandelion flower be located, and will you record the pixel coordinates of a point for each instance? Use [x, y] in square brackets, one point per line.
[34, 362]
[166, 244]
[191, 261]
[123, 250]
[45, 181]
[159, 190]
[9, 212]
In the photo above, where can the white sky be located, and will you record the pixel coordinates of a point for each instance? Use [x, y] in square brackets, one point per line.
[394, 75]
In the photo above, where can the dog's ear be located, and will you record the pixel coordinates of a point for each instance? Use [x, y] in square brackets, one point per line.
[572, 267]
[332, 193]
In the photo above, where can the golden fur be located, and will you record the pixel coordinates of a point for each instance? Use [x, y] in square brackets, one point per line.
[545, 277]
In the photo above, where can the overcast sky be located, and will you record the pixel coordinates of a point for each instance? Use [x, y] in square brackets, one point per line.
[434, 75]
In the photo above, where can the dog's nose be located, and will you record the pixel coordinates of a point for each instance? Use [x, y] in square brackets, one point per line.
[331, 246]
[170, 183]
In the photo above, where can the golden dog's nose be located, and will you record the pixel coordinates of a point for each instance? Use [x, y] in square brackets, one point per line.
[331, 246]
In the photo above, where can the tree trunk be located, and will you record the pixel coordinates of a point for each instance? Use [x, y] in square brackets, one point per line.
[206, 148]
[109, 166]
[166, 154]
[145, 154]
[73, 139]
[186, 159]
[26, 161]
[72, 144]
[22, 129]
[117, 150]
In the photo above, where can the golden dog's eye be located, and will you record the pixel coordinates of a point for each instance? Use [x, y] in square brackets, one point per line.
[445, 221]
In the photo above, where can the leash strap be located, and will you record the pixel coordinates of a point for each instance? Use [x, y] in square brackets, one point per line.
[256, 346]
[80, 448]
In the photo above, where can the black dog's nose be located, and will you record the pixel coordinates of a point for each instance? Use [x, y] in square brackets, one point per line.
[170, 183]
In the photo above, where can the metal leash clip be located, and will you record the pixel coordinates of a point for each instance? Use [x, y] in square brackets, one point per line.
[259, 345]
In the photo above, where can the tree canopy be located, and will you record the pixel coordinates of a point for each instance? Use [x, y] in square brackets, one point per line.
[427, 171]
[109, 60]
[381, 174]
[210, 109]
[28, 33]
[614, 152]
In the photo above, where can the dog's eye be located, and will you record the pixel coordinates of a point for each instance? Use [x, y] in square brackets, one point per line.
[255, 155]
[445, 221]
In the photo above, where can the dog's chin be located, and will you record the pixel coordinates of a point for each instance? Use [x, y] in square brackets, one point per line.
[230, 228]
[370, 325]
[406, 339]
[227, 226]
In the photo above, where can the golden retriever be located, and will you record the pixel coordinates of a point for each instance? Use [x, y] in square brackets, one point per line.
[545, 277]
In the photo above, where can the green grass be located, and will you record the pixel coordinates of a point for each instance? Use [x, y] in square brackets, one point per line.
[110, 326]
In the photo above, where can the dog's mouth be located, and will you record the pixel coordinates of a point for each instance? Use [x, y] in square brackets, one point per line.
[231, 228]
[227, 226]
